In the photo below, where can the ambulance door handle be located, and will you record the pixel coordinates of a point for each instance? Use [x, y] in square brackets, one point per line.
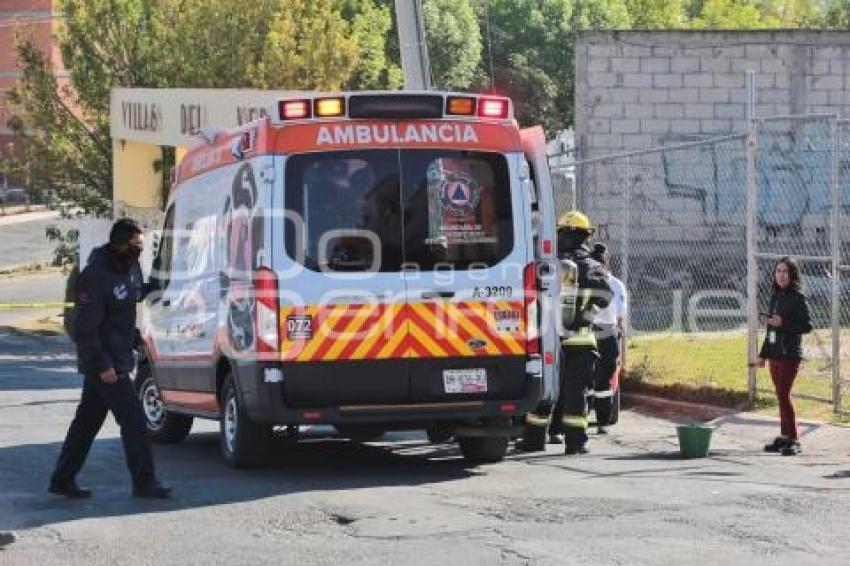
[438, 294]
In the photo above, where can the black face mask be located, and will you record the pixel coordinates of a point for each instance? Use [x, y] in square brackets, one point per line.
[128, 253]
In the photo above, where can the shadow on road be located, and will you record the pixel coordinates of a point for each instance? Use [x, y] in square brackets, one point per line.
[200, 478]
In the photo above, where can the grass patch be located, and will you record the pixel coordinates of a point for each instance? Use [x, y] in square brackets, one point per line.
[712, 368]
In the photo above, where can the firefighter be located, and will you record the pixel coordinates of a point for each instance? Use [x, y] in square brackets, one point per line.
[579, 353]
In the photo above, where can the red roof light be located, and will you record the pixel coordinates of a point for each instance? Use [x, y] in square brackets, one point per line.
[294, 109]
[493, 108]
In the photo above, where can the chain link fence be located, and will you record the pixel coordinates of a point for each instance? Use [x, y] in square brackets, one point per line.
[676, 221]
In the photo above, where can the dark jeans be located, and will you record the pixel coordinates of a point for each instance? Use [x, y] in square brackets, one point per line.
[783, 373]
[98, 398]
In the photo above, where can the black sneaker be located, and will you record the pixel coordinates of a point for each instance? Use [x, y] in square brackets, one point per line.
[791, 449]
[556, 439]
[777, 445]
[153, 490]
[574, 450]
[70, 490]
[601, 430]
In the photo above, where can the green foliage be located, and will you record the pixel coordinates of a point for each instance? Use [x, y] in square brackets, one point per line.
[735, 14]
[836, 14]
[454, 42]
[67, 151]
[601, 14]
[530, 45]
[373, 27]
[656, 14]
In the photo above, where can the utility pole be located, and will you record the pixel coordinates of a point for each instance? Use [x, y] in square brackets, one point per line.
[411, 41]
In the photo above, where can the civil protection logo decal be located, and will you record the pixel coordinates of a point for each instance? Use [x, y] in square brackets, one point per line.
[459, 194]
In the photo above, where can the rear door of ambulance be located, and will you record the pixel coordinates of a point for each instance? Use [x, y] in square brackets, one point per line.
[466, 256]
[343, 333]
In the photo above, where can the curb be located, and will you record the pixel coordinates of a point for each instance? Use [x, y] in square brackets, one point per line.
[675, 410]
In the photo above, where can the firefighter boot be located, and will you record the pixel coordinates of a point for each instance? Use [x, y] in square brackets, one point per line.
[575, 435]
[534, 435]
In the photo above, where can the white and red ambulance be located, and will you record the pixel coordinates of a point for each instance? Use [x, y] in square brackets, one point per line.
[369, 260]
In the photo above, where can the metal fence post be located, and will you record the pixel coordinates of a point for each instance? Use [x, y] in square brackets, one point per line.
[624, 274]
[835, 244]
[752, 264]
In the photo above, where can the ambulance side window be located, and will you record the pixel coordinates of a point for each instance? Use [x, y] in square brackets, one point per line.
[161, 268]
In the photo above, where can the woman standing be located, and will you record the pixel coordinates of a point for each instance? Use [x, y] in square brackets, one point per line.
[787, 320]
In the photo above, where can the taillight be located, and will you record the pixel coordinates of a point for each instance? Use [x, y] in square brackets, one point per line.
[294, 109]
[493, 108]
[529, 284]
[268, 331]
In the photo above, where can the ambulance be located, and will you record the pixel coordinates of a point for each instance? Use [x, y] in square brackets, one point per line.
[374, 261]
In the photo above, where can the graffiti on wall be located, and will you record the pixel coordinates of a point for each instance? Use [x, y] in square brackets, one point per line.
[794, 172]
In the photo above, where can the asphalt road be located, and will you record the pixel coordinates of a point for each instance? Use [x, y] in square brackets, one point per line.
[23, 240]
[46, 287]
[631, 501]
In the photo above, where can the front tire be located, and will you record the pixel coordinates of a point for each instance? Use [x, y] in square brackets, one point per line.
[162, 426]
[244, 443]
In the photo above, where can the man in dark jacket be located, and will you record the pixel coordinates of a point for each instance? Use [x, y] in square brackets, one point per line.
[104, 330]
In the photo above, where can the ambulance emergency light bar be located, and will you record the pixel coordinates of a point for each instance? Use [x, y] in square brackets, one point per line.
[395, 107]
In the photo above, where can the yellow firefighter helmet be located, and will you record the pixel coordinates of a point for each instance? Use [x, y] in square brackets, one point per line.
[575, 220]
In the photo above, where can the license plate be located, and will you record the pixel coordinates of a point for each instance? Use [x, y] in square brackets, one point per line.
[465, 380]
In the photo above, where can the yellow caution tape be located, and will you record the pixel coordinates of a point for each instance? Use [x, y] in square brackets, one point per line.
[7, 306]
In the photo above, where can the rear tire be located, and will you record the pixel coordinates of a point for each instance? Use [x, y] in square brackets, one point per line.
[483, 450]
[244, 443]
[615, 408]
[439, 434]
[162, 426]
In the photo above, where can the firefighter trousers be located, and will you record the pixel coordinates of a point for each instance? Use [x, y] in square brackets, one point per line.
[603, 396]
[570, 414]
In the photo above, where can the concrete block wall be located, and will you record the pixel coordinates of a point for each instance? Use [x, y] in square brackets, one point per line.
[636, 89]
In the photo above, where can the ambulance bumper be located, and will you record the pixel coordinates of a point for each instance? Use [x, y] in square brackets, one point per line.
[270, 405]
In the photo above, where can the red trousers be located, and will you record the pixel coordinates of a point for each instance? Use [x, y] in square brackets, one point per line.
[783, 373]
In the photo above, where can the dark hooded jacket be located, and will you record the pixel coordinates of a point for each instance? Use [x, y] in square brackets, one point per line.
[787, 343]
[104, 326]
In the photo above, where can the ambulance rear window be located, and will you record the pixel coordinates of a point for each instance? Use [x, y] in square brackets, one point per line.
[379, 210]
[457, 208]
[349, 207]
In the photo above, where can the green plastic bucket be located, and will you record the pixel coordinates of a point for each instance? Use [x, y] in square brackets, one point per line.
[694, 440]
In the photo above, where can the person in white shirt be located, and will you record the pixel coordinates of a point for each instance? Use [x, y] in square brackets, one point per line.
[608, 323]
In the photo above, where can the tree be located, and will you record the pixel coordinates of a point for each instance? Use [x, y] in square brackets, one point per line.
[656, 14]
[528, 56]
[732, 14]
[373, 27]
[286, 44]
[601, 14]
[454, 42]
[835, 14]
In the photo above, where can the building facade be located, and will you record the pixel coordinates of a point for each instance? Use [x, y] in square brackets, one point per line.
[31, 19]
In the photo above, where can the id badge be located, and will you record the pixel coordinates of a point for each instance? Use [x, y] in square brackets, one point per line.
[771, 337]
